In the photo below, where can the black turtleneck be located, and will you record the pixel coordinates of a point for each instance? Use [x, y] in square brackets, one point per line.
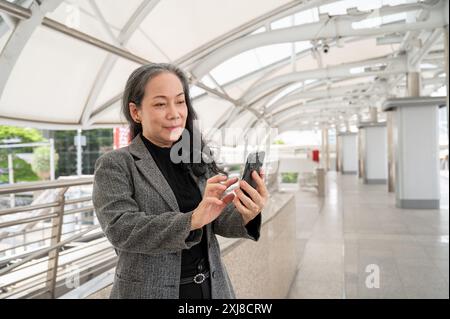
[188, 197]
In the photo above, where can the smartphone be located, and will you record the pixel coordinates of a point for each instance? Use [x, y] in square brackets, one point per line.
[254, 162]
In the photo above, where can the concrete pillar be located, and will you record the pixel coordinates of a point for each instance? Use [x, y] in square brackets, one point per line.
[338, 151]
[413, 88]
[325, 156]
[416, 142]
[349, 153]
[361, 172]
[373, 150]
[413, 84]
[446, 68]
[373, 114]
[390, 121]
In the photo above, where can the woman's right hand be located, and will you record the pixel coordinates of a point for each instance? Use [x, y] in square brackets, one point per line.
[212, 203]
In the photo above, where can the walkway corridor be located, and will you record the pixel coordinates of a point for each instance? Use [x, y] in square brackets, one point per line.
[357, 226]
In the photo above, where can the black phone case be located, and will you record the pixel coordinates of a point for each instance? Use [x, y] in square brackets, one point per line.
[254, 163]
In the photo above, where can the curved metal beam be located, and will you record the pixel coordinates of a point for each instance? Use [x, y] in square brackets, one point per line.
[341, 71]
[284, 10]
[125, 34]
[291, 112]
[345, 91]
[331, 27]
[348, 70]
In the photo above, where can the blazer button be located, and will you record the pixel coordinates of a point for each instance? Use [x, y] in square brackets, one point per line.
[214, 274]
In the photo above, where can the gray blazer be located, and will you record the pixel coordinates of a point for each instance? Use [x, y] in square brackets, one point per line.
[139, 215]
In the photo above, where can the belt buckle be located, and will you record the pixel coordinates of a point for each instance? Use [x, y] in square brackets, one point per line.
[202, 278]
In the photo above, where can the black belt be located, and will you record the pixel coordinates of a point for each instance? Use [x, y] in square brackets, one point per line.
[197, 279]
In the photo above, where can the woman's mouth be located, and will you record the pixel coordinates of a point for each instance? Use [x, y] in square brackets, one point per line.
[173, 128]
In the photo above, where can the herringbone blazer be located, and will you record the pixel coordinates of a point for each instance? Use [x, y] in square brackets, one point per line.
[139, 215]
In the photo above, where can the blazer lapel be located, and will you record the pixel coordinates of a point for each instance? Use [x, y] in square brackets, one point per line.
[147, 166]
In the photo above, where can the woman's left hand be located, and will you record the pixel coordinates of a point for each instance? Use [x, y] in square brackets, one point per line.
[250, 206]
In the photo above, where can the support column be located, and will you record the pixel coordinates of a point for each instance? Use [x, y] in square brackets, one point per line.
[373, 114]
[416, 148]
[446, 70]
[361, 146]
[390, 120]
[373, 151]
[325, 158]
[349, 153]
[413, 84]
[338, 151]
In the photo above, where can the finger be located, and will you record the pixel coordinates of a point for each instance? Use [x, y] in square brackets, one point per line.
[216, 187]
[230, 182]
[241, 208]
[260, 186]
[262, 173]
[228, 198]
[246, 201]
[257, 178]
[254, 195]
[216, 179]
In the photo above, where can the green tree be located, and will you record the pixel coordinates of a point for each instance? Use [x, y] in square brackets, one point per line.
[26, 135]
[289, 177]
[22, 170]
[279, 142]
[41, 161]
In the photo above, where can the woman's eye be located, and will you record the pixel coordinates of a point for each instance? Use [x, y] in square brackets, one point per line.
[159, 104]
[180, 102]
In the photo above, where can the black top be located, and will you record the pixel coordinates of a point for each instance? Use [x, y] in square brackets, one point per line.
[188, 197]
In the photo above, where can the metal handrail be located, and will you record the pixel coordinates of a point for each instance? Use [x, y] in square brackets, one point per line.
[28, 220]
[34, 230]
[62, 265]
[28, 208]
[34, 242]
[79, 210]
[36, 262]
[78, 200]
[22, 209]
[40, 281]
[46, 250]
[36, 186]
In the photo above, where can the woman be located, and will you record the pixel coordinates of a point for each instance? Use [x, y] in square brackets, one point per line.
[162, 215]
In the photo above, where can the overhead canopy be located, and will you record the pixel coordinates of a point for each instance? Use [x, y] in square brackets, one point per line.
[288, 64]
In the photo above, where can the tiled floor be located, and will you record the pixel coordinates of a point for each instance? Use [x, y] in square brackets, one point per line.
[357, 244]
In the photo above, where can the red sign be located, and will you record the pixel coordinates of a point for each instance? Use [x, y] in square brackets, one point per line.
[315, 156]
[121, 137]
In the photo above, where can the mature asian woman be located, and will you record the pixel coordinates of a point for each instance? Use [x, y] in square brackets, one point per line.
[162, 216]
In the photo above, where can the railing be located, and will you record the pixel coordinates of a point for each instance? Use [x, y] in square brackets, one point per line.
[75, 255]
[39, 257]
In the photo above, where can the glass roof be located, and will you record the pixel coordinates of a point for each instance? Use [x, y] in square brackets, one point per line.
[55, 79]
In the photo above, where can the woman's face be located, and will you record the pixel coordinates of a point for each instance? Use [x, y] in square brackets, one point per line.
[163, 110]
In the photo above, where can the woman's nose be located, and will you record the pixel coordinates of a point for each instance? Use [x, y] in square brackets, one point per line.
[172, 111]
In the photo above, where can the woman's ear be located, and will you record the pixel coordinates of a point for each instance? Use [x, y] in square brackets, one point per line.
[134, 112]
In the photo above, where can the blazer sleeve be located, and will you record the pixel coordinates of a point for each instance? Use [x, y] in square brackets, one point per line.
[128, 228]
[230, 224]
